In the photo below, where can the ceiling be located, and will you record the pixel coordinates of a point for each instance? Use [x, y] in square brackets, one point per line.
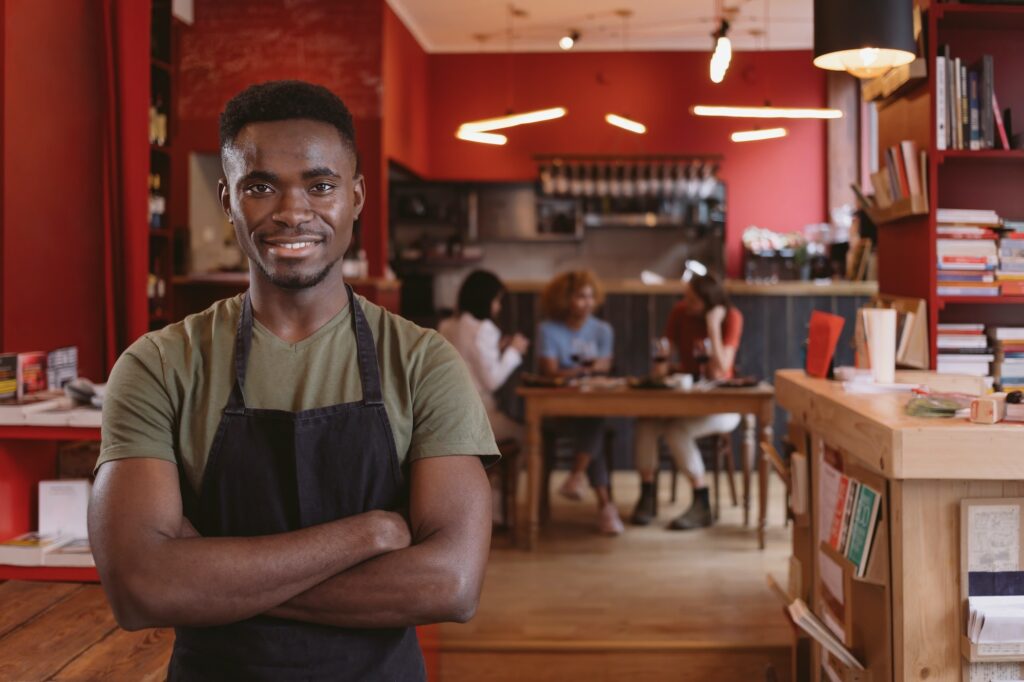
[685, 25]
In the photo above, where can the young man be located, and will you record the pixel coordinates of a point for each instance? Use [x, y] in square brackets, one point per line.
[258, 457]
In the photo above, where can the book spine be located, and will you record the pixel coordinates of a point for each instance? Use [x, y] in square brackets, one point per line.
[998, 116]
[940, 103]
[837, 516]
[910, 164]
[901, 171]
[973, 111]
[985, 97]
[851, 503]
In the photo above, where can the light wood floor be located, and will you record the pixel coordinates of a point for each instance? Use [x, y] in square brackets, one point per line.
[651, 604]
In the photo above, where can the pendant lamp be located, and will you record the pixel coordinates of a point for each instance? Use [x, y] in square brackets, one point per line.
[864, 37]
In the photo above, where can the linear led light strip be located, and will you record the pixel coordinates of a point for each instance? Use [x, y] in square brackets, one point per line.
[765, 112]
[481, 131]
[754, 135]
[626, 124]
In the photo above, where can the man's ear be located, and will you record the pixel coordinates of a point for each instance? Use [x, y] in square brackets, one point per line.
[359, 195]
[225, 198]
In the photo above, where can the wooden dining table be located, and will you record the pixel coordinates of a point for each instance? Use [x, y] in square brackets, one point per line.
[755, 403]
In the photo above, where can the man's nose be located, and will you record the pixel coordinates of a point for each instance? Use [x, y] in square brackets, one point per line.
[293, 210]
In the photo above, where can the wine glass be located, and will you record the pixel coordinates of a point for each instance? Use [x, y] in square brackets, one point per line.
[659, 357]
[702, 356]
[584, 354]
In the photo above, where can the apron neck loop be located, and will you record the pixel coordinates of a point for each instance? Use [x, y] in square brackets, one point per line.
[243, 343]
[366, 350]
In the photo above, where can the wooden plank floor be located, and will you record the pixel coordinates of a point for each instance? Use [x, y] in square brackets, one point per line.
[649, 605]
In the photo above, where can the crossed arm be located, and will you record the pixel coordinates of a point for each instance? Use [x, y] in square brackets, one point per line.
[368, 570]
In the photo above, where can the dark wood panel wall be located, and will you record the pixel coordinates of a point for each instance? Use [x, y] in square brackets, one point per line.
[774, 331]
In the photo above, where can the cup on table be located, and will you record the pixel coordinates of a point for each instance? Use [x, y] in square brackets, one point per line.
[682, 382]
[660, 349]
[880, 328]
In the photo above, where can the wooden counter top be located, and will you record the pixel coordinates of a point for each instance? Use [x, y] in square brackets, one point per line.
[875, 429]
[733, 286]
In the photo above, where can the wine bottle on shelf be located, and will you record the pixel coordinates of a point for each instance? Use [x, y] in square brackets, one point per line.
[158, 204]
[589, 181]
[629, 181]
[680, 180]
[547, 184]
[615, 177]
[641, 181]
[668, 183]
[576, 181]
[693, 179]
[559, 173]
[601, 182]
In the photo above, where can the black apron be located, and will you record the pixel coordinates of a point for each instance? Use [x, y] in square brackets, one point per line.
[272, 471]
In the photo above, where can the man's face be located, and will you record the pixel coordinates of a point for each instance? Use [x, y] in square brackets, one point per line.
[291, 192]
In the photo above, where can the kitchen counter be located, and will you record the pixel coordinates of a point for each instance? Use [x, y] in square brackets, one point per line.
[736, 287]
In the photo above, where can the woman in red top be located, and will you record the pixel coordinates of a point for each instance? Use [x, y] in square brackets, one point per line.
[704, 330]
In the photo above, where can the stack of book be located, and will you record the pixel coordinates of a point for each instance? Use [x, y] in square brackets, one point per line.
[1008, 365]
[853, 522]
[967, 113]
[1010, 274]
[964, 349]
[967, 250]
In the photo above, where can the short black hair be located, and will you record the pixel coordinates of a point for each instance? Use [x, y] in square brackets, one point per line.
[282, 101]
[478, 292]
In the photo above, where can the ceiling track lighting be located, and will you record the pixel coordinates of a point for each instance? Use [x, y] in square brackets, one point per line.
[626, 123]
[765, 112]
[865, 38]
[483, 130]
[568, 41]
[722, 54]
[755, 135]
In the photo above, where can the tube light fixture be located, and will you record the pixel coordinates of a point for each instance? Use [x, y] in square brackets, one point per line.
[764, 112]
[567, 41]
[755, 135]
[489, 124]
[479, 136]
[723, 53]
[626, 124]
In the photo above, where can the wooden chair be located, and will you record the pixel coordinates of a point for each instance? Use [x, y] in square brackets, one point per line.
[507, 472]
[721, 455]
[551, 460]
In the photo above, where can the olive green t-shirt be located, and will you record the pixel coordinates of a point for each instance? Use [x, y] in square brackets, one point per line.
[166, 393]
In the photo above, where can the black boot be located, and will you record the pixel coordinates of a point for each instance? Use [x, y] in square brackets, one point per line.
[698, 515]
[644, 512]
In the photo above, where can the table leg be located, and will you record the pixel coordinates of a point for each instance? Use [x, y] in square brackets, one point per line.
[767, 436]
[749, 453]
[534, 471]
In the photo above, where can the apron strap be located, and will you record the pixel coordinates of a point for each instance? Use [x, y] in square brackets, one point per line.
[243, 343]
[366, 350]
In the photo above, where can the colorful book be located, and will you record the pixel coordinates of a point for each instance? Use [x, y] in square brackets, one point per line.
[8, 376]
[835, 535]
[851, 502]
[862, 532]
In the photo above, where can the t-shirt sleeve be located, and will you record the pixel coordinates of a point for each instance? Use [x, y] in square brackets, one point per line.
[605, 341]
[547, 341]
[138, 415]
[732, 329]
[448, 417]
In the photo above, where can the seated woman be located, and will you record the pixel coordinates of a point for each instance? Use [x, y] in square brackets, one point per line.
[701, 325]
[574, 343]
[491, 357]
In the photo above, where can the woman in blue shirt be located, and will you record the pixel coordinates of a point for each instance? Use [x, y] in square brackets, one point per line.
[573, 343]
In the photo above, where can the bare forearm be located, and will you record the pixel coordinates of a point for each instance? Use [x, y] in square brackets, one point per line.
[421, 584]
[209, 581]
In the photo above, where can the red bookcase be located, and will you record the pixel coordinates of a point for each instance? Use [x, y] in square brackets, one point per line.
[28, 454]
[990, 179]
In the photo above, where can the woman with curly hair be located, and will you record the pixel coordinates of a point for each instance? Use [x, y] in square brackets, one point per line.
[573, 343]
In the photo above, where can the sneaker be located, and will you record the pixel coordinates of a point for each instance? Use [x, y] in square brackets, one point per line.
[697, 516]
[608, 521]
[643, 514]
[573, 486]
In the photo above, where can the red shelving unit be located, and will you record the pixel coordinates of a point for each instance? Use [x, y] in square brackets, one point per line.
[956, 178]
[50, 574]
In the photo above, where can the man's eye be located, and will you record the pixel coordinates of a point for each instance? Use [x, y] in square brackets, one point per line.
[259, 188]
[323, 187]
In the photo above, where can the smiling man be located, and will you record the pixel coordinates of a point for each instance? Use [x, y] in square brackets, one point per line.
[257, 456]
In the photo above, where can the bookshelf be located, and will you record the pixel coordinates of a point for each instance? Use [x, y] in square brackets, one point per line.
[162, 228]
[957, 178]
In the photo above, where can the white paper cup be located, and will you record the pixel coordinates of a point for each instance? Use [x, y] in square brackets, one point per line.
[880, 326]
[683, 382]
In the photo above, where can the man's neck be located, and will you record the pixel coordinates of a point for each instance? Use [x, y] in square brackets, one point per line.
[295, 314]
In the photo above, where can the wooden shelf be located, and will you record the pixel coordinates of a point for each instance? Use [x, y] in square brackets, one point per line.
[56, 433]
[910, 207]
[989, 154]
[63, 574]
[984, 17]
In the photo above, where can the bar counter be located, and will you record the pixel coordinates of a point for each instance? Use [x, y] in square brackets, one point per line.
[735, 287]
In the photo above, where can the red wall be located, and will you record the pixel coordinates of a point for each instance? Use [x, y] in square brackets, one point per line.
[779, 184]
[52, 227]
[235, 43]
[406, 97]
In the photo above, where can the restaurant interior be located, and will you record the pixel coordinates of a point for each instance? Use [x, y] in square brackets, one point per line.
[749, 269]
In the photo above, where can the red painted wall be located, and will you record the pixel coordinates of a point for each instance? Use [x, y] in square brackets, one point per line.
[406, 97]
[52, 229]
[779, 184]
[235, 43]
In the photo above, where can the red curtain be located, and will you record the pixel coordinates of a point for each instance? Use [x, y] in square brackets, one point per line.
[126, 40]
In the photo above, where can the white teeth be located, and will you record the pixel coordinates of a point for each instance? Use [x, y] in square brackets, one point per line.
[297, 245]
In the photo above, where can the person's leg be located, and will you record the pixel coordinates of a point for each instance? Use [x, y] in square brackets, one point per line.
[585, 434]
[682, 440]
[645, 456]
[589, 436]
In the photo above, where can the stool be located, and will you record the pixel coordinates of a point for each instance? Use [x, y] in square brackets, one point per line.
[550, 455]
[721, 445]
[507, 471]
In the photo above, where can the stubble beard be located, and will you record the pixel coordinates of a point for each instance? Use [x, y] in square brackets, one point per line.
[296, 281]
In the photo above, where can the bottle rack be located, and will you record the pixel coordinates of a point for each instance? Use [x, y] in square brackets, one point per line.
[160, 225]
